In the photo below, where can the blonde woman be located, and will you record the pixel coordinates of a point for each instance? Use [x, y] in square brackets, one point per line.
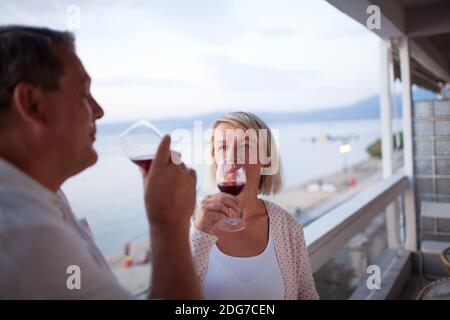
[268, 258]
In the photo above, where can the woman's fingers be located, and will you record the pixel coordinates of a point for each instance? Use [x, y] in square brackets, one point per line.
[227, 203]
[223, 195]
[215, 216]
[227, 199]
[217, 207]
[209, 220]
[214, 208]
[230, 203]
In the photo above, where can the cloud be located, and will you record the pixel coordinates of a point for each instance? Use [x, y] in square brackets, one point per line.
[278, 31]
[176, 57]
[130, 81]
[235, 75]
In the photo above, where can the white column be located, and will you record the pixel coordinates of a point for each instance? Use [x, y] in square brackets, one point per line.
[392, 211]
[409, 198]
[386, 109]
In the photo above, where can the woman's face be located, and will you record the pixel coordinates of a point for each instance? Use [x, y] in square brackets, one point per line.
[235, 144]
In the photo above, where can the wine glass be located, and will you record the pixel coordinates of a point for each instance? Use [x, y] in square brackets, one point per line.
[231, 179]
[140, 142]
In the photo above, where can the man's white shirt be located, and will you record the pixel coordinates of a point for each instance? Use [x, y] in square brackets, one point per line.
[40, 239]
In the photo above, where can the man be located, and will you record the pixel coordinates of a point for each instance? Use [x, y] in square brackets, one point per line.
[47, 130]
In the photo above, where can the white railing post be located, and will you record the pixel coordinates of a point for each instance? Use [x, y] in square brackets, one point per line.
[392, 210]
[409, 198]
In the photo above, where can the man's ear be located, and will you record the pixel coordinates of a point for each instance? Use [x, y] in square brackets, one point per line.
[27, 101]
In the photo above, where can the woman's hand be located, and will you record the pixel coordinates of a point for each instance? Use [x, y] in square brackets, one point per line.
[214, 208]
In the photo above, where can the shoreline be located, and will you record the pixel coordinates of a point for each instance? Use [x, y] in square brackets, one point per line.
[298, 200]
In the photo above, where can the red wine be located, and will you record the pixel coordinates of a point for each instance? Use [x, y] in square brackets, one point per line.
[143, 161]
[231, 188]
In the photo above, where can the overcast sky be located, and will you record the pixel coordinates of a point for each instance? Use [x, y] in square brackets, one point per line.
[172, 58]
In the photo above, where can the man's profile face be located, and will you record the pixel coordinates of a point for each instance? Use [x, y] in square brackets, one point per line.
[71, 128]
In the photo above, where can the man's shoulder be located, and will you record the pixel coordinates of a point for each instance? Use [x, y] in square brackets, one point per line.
[18, 210]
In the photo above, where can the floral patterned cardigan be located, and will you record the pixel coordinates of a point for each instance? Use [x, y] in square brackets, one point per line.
[290, 249]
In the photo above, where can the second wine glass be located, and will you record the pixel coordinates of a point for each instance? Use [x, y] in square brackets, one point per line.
[231, 179]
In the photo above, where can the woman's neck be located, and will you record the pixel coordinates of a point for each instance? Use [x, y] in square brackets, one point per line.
[250, 204]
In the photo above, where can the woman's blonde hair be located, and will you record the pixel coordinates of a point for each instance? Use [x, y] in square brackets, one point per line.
[268, 184]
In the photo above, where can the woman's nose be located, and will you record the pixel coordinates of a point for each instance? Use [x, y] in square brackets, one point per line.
[232, 156]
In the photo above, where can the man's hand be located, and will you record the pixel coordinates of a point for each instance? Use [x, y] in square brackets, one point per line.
[169, 190]
[170, 199]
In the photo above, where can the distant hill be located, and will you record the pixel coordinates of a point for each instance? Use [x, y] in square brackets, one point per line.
[365, 109]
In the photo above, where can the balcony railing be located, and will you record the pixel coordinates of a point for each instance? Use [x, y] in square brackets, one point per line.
[326, 235]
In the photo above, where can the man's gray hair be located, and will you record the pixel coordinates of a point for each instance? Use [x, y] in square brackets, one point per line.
[29, 54]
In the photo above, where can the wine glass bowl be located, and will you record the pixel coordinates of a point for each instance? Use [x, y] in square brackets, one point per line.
[140, 142]
[231, 179]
